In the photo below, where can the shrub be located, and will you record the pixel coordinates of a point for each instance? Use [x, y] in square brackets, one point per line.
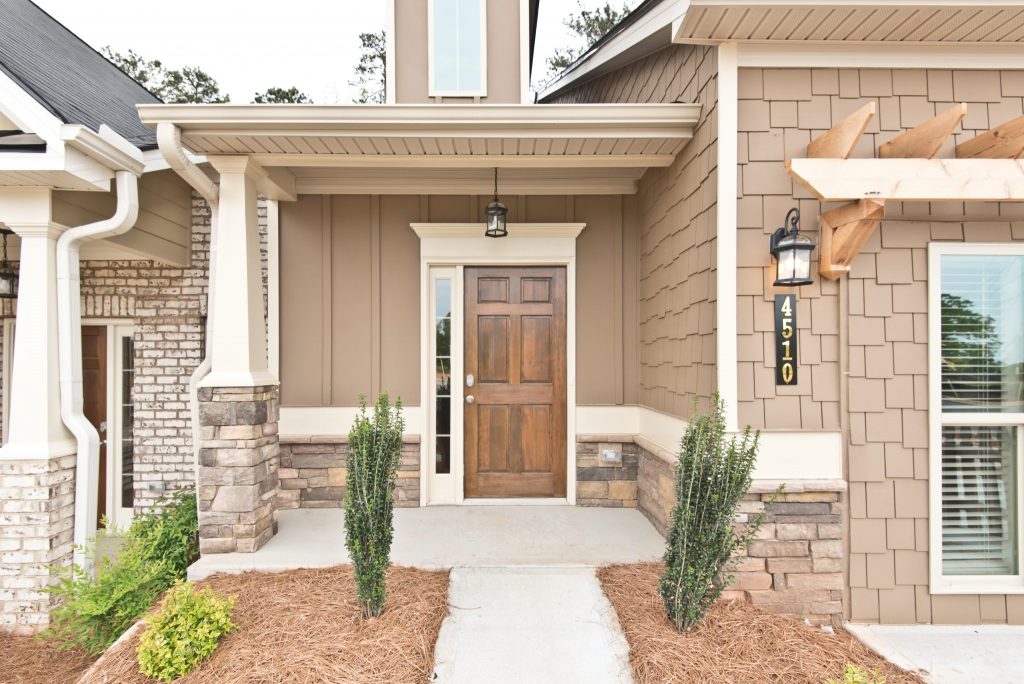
[856, 675]
[183, 632]
[712, 475]
[95, 608]
[374, 449]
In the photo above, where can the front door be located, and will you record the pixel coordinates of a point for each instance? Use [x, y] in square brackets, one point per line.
[94, 390]
[515, 383]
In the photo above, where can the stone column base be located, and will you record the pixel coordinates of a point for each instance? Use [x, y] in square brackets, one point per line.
[238, 468]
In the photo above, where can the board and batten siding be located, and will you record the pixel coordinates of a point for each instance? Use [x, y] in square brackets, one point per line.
[780, 111]
[677, 226]
[350, 292]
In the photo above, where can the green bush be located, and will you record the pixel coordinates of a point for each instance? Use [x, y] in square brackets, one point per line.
[184, 632]
[712, 476]
[95, 608]
[855, 675]
[374, 450]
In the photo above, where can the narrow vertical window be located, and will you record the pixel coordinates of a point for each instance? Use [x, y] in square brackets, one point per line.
[981, 349]
[443, 375]
[127, 422]
[457, 48]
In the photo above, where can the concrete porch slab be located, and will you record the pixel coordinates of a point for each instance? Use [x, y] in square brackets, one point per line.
[993, 654]
[444, 537]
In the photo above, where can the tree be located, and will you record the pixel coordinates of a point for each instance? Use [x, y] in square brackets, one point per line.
[591, 26]
[282, 96]
[371, 72]
[174, 86]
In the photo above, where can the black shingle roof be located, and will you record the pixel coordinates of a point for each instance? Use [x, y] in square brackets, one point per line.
[73, 81]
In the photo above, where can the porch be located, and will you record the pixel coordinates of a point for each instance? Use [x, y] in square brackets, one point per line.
[434, 537]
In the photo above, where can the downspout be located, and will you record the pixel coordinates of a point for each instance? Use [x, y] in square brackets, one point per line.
[168, 138]
[69, 350]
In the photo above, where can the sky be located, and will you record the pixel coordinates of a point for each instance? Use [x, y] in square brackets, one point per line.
[310, 44]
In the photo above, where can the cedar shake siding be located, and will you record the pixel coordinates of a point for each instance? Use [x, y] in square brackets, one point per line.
[677, 228]
[780, 111]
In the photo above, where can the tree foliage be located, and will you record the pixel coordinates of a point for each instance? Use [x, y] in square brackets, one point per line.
[590, 26]
[712, 476]
[371, 72]
[282, 96]
[374, 450]
[174, 86]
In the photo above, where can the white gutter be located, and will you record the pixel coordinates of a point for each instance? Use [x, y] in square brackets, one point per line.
[126, 161]
[168, 138]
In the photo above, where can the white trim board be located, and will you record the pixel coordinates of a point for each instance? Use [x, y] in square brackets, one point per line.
[726, 340]
[784, 455]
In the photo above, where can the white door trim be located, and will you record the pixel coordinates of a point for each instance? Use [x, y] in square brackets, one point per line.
[456, 245]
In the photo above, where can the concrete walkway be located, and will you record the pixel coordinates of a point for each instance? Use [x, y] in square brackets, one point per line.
[522, 624]
[993, 654]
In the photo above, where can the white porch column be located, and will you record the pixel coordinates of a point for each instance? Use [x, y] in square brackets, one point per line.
[238, 400]
[238, 329]
[37, 464]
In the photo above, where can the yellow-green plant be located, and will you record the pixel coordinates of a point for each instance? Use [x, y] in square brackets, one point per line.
[856, 675]
[712, 476]
[374, 450]
[184, 631]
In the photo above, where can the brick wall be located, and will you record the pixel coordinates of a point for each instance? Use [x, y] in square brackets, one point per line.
[313, 472]
[780, 111]
[677, 226]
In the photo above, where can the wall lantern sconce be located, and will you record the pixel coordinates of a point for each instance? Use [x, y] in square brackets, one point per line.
[8, 278]
[497, 214]
[792, 252]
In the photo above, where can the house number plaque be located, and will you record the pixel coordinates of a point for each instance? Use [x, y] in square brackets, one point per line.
[785, 339]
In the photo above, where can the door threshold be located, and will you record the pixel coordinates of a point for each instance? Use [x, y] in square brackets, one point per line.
[515, 501]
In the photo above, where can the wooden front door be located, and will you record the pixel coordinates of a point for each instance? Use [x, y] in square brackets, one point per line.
[94, 390]
[515, 424]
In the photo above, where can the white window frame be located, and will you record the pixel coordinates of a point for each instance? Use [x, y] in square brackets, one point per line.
[962, 584]
[434, 92]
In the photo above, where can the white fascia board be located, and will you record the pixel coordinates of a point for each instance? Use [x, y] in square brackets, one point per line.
[874, 55]
[106, 147]
[26, 113]
[858, 3]
[663, 17]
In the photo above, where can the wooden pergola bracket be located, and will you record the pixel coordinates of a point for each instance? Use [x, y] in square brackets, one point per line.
[838, 142]
[844, 231]
[1005, 141]
[924, 140]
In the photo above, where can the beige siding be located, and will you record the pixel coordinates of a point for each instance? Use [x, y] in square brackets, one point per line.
[677, 227]
[780, 111]
[350, 299]
[412, 81]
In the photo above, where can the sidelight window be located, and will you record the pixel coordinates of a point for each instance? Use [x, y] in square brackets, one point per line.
[457, 30]
[977, 406]
[443, 375]
[127, 409]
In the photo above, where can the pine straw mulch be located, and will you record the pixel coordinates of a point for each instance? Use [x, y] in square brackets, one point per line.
[31, 660]
[303, 626]
[736, 642]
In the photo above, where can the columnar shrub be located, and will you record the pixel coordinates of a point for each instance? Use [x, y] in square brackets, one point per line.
[183, 632]
[374, 450]
[712, 476]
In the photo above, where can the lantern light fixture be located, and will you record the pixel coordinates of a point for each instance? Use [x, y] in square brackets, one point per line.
[792, 252]
[8, 278]
[497, 214]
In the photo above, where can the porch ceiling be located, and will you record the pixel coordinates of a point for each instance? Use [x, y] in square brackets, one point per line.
[607, 136]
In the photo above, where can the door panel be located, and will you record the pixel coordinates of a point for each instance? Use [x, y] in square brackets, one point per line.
[94, 390]
[515, 428]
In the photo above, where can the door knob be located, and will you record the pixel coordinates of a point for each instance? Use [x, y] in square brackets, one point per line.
[470, 399]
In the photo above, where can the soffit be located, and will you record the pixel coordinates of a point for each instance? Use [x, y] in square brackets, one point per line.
[435, 136]
[934, 22]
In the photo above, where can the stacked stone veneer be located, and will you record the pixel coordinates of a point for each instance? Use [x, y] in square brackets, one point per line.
[313, 472]
[794, 565]
[600, 483]
[238, 468]
[37, 509]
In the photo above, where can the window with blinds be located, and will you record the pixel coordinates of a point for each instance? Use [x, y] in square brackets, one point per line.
[981, 340]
